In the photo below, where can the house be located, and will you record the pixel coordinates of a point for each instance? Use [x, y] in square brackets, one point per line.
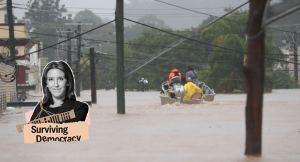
[288, 51]
[7, 80]
[27, 67]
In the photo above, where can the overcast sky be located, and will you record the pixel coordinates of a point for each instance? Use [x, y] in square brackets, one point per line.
[108, 4]
[174, 17]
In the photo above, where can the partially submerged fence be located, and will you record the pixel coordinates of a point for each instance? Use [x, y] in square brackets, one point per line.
[2, 101]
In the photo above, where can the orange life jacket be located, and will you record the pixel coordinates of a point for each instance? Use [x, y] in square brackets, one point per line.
[173, 73]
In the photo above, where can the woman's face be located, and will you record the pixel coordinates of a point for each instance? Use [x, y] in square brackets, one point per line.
[56, 83]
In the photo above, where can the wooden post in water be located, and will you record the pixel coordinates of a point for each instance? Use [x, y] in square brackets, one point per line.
[69, 58]
[78, 68]
[254, 72]
[93, 76]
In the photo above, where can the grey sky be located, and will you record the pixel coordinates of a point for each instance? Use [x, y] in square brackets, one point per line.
[107, 4]
[174, 17]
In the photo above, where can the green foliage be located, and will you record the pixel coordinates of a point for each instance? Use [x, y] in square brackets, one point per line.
[203, 75]
[43, 17]
[87, 16]
[218, 68]
[237, 91]
[157, 71]
[227, 66]
[282, 80]
[136, 30]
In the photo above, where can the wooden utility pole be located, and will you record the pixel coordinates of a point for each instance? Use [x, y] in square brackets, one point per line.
[295, 57]
[119, 19]
[69, 48]
[78, 60]
[12, 38]
[11, 29]
[93, 76]
[254, 72]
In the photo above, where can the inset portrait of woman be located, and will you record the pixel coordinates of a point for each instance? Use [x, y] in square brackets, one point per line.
[58, 89]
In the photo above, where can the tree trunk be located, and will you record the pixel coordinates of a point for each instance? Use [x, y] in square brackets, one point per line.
[254, 72]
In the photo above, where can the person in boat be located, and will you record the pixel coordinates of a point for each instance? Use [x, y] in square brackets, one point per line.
[173, 72]
[190, 88]
[192, 74]
[183, 80]
[59, 96]
[175, 79]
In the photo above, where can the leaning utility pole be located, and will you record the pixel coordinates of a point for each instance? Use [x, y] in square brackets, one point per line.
[254, 72]
[78, 60]
[119, 18]
[93, 76]
[69, 48]
[295, 57]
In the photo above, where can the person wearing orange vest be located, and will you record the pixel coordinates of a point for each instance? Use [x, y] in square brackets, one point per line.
[173, 73]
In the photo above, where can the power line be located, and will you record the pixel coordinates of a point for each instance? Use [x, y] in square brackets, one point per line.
[135, 44]
[285, 25]
[128, 43]
[199, 41]
[184, 37]
[176, 61]
[212, 15]
[128, 14]
[181, 66]
[194, 10]
[66, 39]
[105, 41]
[124, 9]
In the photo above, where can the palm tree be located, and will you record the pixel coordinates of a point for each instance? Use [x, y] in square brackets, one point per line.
[227, 65]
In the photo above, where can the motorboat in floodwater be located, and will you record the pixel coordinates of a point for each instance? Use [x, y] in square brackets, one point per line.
[175, 93]
[209, 93]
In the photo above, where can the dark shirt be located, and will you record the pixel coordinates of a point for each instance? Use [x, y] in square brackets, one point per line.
[193, 75]
[81, 110]
[54, 110]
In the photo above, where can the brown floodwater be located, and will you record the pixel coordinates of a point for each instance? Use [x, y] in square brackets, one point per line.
[212, 131]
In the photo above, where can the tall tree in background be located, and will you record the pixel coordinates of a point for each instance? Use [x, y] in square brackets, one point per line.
[87, 16]
[45, 16]
[135, 30]
[228, 65]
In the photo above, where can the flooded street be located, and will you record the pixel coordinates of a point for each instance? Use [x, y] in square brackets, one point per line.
[211, 131]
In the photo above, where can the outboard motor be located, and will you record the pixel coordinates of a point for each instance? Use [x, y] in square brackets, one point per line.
[179, 92]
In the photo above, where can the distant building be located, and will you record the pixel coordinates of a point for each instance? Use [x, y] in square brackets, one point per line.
[27, 67]
[288, 51]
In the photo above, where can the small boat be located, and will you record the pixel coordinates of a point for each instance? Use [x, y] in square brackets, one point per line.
[177, 91]
[209, 93]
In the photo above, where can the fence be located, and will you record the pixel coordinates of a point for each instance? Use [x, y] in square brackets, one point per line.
[12, 97]
[2, 101]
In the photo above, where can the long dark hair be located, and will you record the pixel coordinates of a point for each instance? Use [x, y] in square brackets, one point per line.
[64, 67]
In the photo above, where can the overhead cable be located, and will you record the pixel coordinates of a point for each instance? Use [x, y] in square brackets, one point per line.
[211, 15]
[65, 40]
